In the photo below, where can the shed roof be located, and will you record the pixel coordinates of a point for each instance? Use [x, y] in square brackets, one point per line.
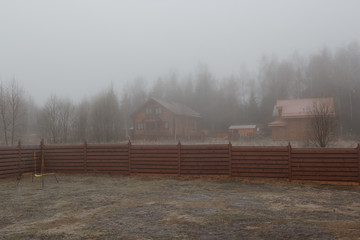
[242, 127]
[277, 123]
[299, 107]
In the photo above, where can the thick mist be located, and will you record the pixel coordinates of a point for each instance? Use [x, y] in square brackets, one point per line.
[74, 48]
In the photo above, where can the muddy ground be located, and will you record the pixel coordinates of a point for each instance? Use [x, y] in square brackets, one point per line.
[142, 207]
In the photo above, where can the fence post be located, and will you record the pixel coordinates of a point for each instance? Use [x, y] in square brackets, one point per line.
[289, 162]
[129, 157]
[41, 155]
[179, 158]
[19, 156]
[358, 151]
[85, 156]
[230, 159]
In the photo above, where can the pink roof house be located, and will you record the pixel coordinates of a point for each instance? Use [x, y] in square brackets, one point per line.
[293, 117]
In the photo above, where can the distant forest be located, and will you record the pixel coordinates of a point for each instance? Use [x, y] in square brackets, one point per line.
[243, 98]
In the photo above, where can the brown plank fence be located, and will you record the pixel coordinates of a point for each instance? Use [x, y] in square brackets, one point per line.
[301, 164]
[16, 160]
[263, 162]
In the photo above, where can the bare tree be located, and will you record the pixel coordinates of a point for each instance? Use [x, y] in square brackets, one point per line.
[17, 108]
[322, 123]
[12, 110]
[66, 116]
[80, 126]
[4, 109]
[49, 122]
[106, 120]
[56, 119]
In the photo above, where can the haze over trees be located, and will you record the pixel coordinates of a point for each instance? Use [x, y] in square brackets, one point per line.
[241, 98]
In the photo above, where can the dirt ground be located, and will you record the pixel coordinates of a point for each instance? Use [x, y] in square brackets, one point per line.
[143, 207]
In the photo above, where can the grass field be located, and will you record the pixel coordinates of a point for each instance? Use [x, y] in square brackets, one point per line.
[141, 207]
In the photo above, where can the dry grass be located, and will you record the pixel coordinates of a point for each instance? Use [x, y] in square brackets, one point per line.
[122, 207]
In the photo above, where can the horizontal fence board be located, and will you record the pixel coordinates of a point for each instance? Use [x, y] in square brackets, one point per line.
[152, 155]
[8, 150]
[204, 159]
[263, 170]
[153, 147]
[214, 163]
[220, 168]
[352, 165]
[259, 166]
[9, 171]
[10, 160]
[8, 157]
[109, 154]
[250, 157]
[175, 150]
[92, 159]
[151, 171]
[258, 148]
[203, 155]
[153, 159]
[204, 147]
[107, 168]
[260, 153]
[9, 163]
[324, 155]
[134, 164]
[204, 172]
[63, 159]
[326, 173]
[201, 151]
[325, 160]
[252, 161]
[105, 146]
[107, 160]
[260, 174]
[48, 155]
[323, 150]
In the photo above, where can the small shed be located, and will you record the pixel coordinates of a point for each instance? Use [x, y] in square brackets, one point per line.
[242, 131]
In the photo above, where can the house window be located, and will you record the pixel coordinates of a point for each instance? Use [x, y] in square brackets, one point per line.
[140, 126]
[158, 110]
[166, 125]
[309, 128]
[148, 110]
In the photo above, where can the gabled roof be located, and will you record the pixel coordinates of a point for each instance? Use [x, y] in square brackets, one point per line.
[176, 108]
[242, 127]
[299, 107]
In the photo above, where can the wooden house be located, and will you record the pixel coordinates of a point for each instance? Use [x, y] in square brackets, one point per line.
[293, 118]
[159, 119]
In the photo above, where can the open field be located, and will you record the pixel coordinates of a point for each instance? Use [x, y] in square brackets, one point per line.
[142, 207]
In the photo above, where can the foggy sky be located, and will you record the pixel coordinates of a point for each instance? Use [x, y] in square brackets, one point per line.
[75, 48]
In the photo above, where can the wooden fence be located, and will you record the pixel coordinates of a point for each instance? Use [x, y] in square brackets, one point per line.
[330, 164]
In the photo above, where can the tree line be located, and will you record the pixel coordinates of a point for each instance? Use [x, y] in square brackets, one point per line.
[242, 98]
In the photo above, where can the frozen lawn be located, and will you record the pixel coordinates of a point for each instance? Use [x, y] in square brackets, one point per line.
[122, 207]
